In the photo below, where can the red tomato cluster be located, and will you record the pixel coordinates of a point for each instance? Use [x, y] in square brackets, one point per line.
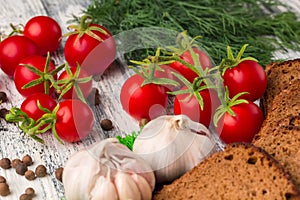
[248, 76]
[25, 56]
[151, 100]
[239, 119]
[247, 80]
[93, 55]
[70, 120]
[189, 74]
[45, 32]
[41, 34]
[243, 125]
[143, 102]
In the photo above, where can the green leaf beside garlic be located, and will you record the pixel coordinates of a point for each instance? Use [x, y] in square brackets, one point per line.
[107, 170]
[173, 145]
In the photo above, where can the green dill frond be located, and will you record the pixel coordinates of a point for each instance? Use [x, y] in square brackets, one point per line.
[219, 23]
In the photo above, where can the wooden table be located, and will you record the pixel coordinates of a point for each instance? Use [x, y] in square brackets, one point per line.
[53, 154]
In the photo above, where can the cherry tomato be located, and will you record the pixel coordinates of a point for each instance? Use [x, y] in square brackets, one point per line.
[86, 88]
[23, 75]
[74, 120]
[247, 76]
[243, 126]
[166, 72]
[93, 55]
[30, 106]
[13, 49]
[191, 107]
[45, 32]
[147, 102]
[186, 72]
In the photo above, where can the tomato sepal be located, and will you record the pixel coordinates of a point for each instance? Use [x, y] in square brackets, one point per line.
[227, 104]
[146, 69]
[25, 123]
[73, 80]
[231, 61]
[84, 28]
[44, 76]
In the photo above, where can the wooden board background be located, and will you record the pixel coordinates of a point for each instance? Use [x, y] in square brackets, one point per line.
[52, 154]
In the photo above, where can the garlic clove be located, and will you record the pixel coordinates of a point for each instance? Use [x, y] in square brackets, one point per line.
[119, 157]
[143, 185]
[104, 189]
[104, 172]
[76, 191]
[173, 145]
[126, 187]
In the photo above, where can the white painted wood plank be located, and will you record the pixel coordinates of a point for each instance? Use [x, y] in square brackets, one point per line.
[53, 154]
[13, 143]
[293, 6]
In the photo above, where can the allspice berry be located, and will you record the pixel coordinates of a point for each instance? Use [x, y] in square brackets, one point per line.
[4, 189]
[143, 122]
[30, 192]
[29, 175]
[94, 97]
[27, 160]
[3, 97]
[2, 179]
[59, 173]
[106, 124]
[25, 197]
[21, 168]
[40, 171]
[3, 112]
[5, 163]
[15, 162]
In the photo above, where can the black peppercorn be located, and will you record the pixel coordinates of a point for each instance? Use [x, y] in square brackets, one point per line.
[106, 124]
[3, 97]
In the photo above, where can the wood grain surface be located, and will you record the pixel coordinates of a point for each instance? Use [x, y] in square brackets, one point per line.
[13, 144]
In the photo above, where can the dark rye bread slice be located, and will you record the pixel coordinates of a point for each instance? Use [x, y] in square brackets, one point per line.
[241, 171]
[284, 145]
[285, 109]
[280, 75]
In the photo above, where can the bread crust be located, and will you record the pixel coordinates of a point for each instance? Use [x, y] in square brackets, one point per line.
[284, 145]
[280, 76]
[241, 171]
[284, 112]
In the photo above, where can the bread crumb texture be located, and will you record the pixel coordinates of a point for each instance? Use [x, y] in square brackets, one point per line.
[285, 111]
[241, 171]
[280, 76]
[284, 145]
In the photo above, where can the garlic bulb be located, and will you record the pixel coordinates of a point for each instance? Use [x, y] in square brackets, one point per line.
[172, 145]
[107, 170]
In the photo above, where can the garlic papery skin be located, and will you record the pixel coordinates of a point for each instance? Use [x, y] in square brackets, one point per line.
[173, 145]
[107, 170]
